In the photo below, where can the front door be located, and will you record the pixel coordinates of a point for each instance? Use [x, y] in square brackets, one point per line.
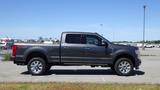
[95, 52]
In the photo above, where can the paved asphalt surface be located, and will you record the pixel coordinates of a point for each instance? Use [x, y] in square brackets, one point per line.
[148, 73]
[1, 57]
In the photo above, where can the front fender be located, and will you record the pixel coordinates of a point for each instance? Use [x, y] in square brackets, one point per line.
[121, 52]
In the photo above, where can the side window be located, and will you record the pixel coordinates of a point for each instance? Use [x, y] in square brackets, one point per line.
[73, 38]
[91, 39]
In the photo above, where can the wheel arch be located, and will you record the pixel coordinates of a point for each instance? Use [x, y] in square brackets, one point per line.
[124, 55]
[35, 52]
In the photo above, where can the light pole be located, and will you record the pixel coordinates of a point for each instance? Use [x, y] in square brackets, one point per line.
[101, 25]
[143, 47]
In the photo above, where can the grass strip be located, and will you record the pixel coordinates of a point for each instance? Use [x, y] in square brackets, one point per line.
[76, 86]
[6, 57]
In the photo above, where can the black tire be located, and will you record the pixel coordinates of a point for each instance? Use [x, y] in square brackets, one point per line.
[37, 63]
[124, 67]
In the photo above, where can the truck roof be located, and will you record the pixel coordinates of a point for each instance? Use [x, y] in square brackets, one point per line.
[80, 32]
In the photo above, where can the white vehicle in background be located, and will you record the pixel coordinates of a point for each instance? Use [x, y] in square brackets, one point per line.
[3, 45]
[48, 42]
[6, 43]
[149, 46]
[155, 45]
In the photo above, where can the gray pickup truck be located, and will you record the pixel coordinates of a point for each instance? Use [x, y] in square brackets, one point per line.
[77, 48]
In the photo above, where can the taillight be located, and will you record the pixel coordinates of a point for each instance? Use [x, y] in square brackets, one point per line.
[14, 49]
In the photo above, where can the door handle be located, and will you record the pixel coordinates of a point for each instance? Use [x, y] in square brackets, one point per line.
[88, 48]
[65, 47]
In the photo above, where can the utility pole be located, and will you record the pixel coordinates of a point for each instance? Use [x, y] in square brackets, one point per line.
[101, 25]
[143, 47]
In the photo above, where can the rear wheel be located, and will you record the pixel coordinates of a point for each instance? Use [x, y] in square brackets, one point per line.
[124, 67]
[37, 66]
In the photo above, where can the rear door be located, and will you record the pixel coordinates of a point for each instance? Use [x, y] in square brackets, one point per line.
[72, 51]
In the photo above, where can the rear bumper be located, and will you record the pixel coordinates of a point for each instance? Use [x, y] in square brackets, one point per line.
[18, 60]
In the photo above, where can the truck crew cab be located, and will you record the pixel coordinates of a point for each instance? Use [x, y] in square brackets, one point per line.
[77, 48]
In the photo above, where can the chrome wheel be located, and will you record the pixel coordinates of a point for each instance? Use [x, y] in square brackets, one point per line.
[124, 67]
[36, 66]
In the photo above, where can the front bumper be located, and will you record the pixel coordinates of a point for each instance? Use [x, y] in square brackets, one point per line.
[137, 63]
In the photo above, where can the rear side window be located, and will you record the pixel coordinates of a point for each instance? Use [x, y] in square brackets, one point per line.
[73, 38]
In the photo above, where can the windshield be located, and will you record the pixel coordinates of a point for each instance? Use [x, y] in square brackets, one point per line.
[103, 38]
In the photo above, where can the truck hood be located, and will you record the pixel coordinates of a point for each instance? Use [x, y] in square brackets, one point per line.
[118, 46]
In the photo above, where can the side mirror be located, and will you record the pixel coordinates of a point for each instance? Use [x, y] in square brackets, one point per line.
[104, 44]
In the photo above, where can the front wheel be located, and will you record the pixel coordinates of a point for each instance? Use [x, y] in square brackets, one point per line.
[37, 66]
[124, 67]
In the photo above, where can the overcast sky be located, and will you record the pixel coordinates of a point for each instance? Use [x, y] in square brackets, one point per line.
[115, 19]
